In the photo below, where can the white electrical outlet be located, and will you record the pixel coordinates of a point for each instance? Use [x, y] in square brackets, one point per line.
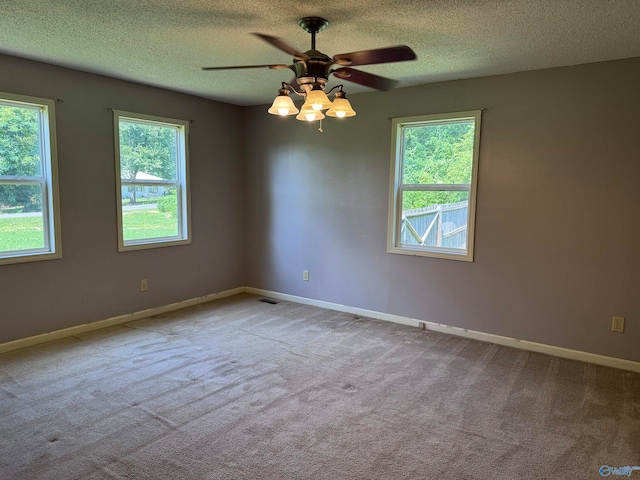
[305, 275]
[144, 285]
[617, 324]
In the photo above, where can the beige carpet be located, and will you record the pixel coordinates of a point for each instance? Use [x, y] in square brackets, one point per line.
[239, 388]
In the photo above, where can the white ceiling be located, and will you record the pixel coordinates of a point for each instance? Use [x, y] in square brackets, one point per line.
[165, 42]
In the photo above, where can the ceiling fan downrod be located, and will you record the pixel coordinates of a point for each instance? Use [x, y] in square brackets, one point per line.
[313, 25]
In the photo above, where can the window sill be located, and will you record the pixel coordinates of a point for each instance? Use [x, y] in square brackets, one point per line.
[447, 254]
[30, 257]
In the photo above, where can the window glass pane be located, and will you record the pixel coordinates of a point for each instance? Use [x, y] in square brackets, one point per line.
[154, 218]
[21, 220]
[19, 141]
[147, 152]
[153, 184]
[145, 194]
[435, 219]
[438, 153]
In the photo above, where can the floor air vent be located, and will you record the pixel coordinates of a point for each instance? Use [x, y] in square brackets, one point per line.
[268, 300]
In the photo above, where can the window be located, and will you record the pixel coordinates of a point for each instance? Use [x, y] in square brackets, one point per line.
[29, 213]
[434, 168]
[152, 181]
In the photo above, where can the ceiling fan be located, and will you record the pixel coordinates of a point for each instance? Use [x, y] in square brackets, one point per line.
[313, 68]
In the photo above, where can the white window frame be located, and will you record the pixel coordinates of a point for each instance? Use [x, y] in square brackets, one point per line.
[181, 184]
[48, 180]
[397, 188]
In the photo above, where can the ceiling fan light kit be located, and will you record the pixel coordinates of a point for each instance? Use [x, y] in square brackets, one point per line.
[313, 68]
[316, 101]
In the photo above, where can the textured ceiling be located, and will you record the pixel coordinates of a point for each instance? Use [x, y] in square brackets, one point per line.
[165, 42]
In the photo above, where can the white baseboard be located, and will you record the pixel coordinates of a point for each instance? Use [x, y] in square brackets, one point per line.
[129, 317]
[460, 332]
[436, 327]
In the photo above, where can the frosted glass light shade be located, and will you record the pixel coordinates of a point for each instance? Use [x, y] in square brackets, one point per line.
[317, 99]
[309, 114]
[341, 108]
[283, 105]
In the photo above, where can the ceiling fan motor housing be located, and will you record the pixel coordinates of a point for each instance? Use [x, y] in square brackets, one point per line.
[318, 66]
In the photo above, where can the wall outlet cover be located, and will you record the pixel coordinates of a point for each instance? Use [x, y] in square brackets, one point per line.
[617, 324]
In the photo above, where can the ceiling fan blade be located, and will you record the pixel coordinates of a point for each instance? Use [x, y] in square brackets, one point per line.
[400, 53]
[364, 78]
[271, 66]
[281, 45]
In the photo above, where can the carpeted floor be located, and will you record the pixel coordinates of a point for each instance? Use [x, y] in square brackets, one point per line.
[239, 388]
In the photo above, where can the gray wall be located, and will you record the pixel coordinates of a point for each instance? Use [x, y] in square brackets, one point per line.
[93, 281]
[557, 229]
[557, 232]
